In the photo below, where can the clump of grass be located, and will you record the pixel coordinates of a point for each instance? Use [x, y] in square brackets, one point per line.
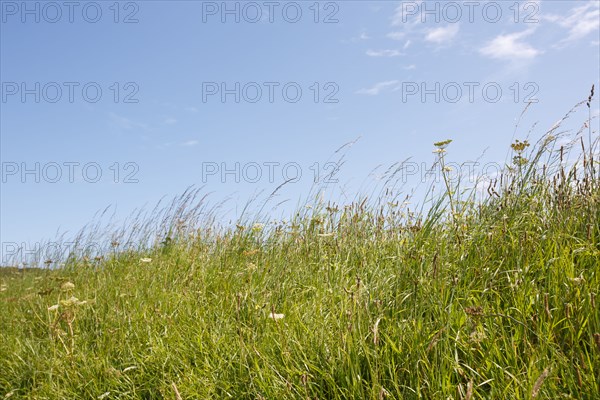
[468, 299]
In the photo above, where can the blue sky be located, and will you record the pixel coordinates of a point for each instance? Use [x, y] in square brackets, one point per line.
[397, 75]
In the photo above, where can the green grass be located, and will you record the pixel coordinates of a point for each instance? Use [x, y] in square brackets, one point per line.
[495, 298]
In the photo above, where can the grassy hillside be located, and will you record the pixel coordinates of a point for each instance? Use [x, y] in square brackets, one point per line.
[474, 299]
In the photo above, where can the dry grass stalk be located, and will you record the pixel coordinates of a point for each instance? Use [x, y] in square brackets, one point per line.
[539, 382]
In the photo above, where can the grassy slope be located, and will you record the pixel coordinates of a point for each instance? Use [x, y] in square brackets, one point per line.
[497, 301]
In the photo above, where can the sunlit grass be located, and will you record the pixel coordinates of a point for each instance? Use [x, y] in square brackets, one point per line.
[492, 298]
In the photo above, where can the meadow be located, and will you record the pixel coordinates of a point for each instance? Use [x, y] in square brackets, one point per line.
[489, 297]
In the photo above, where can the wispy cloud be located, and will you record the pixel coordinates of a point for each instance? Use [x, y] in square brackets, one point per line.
[378, 88]
[397, 35]
[125, 123]
[442, 35]
[409, 26]
[510, 47]
[406, 21]
[405, 11]
[191, 109]
[170, 121]
[580, 21]
[188, 143]
[362, 37]
[383, 53]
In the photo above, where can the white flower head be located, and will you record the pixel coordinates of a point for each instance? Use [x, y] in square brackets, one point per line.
[72, 301]
[258, 227]
[276, 316]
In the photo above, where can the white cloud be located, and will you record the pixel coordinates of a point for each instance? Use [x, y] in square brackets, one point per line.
[363, 36]
[510, 47]
[396, 35]
[125, 123]
[378, 88]
[405, 11]
[410, 67]
[409, 22]
[383, 53]
[191, 109]
[442, 35]
[170, 121]
[190, 143]
[580, 21]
